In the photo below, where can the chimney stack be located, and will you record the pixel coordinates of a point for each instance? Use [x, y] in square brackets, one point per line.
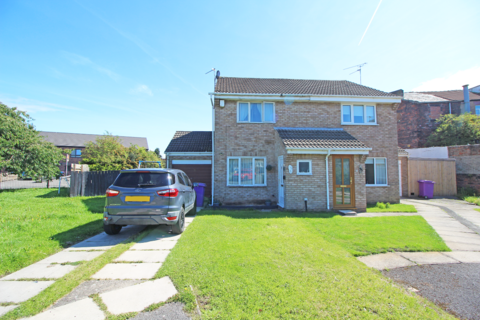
[466, 98]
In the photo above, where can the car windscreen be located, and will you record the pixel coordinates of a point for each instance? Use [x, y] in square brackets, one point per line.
[144, 179]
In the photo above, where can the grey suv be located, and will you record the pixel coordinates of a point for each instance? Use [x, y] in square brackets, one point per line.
[149, 197]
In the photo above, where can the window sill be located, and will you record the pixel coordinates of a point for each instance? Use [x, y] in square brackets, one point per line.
[376, 185]
[254, 122]
[252, 186]
[359, 124]
[304, 174]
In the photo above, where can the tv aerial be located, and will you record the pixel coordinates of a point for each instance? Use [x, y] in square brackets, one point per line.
[359, 70]
[216, 74]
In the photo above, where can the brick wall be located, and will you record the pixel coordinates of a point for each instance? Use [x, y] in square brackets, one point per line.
[416, 121]
[467, 164]
[404, 169]
[259, 139]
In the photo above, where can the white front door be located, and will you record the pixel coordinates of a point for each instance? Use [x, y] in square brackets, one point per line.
[281, 188]
[400, 177]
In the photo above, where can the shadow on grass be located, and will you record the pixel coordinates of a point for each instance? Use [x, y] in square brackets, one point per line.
[253, 214]
[64, 192]
[94, 205]
[79, 233]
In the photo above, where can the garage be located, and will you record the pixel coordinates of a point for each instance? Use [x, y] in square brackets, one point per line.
[197, 171]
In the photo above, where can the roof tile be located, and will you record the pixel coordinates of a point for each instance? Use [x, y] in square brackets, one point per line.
[319, 138]
[191, 141]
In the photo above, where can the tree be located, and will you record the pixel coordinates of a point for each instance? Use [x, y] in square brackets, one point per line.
[22, 150]
[157, 152]
[456, 130]
[108, 153]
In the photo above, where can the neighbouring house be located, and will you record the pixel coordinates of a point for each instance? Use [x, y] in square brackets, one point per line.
[301, 144]
[78, 141]
[418, 112]
[191, 151]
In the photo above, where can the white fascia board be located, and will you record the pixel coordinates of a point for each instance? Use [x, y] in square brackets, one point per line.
[305, 97]
[188, 153]
[325, 151]
[191, 161]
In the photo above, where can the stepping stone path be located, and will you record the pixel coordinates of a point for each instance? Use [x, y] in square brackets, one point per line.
[137, 266]
[458, 229]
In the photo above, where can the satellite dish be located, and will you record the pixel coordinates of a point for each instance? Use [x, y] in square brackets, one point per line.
[218, 74]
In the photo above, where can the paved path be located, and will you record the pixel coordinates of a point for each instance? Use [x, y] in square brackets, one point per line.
[129, 292]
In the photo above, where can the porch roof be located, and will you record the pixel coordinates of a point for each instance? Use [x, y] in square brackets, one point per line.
[319, 138]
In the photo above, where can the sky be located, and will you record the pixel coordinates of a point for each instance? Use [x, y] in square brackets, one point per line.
[137, 68]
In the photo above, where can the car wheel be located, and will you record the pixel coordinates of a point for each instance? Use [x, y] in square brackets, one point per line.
[111, 229]
[179, 227]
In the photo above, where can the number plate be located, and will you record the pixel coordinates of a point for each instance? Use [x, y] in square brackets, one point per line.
[137, 199]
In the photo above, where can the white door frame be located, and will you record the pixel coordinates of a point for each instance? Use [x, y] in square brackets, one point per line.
[281, 187]
[400, 177]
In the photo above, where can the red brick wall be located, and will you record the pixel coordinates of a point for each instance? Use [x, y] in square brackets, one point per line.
[416, 121]
[467, 165]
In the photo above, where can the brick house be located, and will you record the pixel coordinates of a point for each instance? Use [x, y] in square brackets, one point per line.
[418, 111]
[77, 142]
[321, 144]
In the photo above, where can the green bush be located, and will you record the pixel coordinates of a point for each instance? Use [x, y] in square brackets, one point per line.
[387, 205]
[381, 205]
[462, 193]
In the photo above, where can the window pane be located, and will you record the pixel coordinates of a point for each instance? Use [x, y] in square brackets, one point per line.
[381, 171]
[259, 171]
[347, 196]
[369, 172]
[370, 114]
[338, 196]
[268, 112]
[255, 112]
[358, 114]
[346, 171]
[79, 152]
[477, 110]
[180, 179]
[338, 171]
[347, 114]
[246, 171]
[304, 167]
[233, 171]
[243, 112]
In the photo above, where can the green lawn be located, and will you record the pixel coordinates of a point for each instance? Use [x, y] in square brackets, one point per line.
[477, 210]
[250, 265]
[473, 199]
[36, 223]
[397, 207]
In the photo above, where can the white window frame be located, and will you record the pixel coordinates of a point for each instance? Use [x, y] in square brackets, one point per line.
[263, 111]
[375, 172]
[253, 171]
[309, 173]
[364, 114]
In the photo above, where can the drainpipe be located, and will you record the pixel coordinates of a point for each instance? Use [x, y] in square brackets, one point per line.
[450, 107]
[466, 98]
[167, 161]
[213, 147]
[328, 192]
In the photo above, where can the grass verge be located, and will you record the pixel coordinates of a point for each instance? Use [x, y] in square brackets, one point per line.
[477, 210]
[249, 265]
[397, 207]
[472, 199]
[37, 223]
[64, 285]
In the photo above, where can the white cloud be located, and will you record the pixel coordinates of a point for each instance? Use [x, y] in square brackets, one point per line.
[452, 81]
[142, 89]
[84, 61]
[34, 106]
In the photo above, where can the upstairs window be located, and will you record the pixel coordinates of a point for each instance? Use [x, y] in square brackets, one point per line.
[76, 153]
[256, 112]
[359, 114]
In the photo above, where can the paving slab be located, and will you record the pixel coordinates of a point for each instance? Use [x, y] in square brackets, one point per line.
[160, 233]
[19, 291]
[87, 288]
[427, 257]
[154, 245]
[144, 256]
[85, 309]
[386, 261]
[4, 310]
[464, 256]
[138, 297]
[170, 311]
[41, 271]
[104, 241]
[71, 256]
[471, 239]
[456, 246]
[128, 271]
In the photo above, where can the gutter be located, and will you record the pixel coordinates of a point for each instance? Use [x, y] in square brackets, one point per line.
[326, 170]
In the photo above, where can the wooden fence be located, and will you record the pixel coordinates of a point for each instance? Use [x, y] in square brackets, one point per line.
[442, 171]
[91, 183]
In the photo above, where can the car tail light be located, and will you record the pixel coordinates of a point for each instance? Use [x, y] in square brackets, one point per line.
[112, 193]
[171, 193]
[171, 218]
